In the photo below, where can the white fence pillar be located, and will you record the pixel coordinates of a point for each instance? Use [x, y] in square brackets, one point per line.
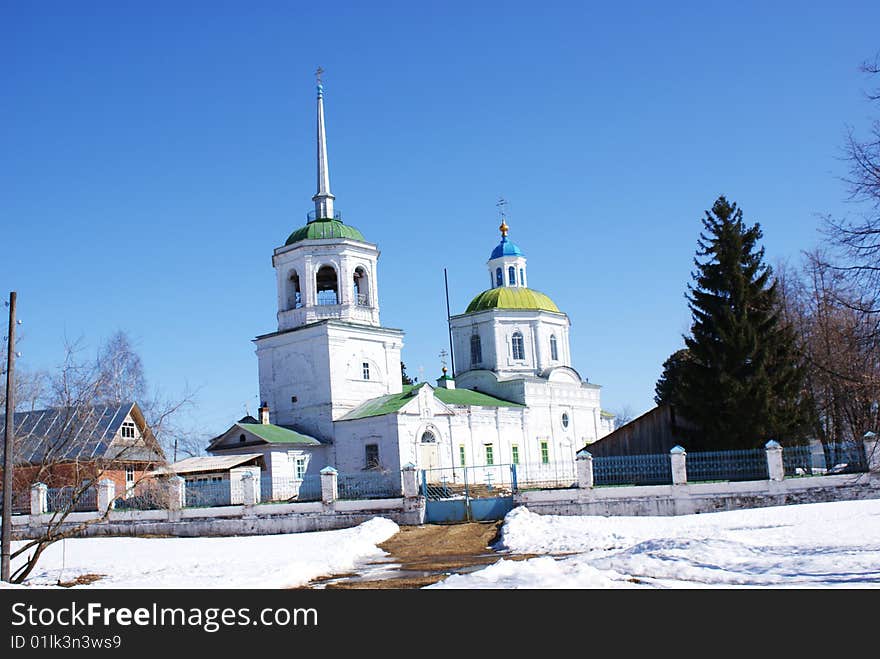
[872, 451]
[329, 489]
[410, 482]
[584, 462]
[678, 457]
[775, 468]
[39, 498]
[106, 494]
[176, 493]
[249, 489]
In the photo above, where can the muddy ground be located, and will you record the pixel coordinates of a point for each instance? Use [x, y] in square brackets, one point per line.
[423, 555]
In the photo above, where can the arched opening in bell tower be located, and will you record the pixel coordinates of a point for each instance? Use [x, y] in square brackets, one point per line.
[294, 292]
[361, 287]
[327, 285]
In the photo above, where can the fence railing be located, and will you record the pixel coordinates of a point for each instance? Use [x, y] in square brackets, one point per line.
[200, 495]
[71, 499]
[739, 465]
[369, 485]
[280, 490]
[546, 475]
[632, 470]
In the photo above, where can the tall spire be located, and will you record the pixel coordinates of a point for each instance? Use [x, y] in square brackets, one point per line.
[323, 197]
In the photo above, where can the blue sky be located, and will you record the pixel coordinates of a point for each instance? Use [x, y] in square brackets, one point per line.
[154, 154]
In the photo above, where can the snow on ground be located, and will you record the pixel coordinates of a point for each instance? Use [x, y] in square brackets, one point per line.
[812, 545]
[268, 561]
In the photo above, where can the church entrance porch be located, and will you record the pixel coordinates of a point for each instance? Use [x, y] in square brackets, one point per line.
[474, 493]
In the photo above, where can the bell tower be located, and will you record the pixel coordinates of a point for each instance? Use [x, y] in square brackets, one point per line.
[329, 353]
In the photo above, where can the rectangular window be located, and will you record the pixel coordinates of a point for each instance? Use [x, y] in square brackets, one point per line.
[545, 453]
[128, 430]
[490, 454]
[300, 468]
[366, 366]
[129, 480]
[461, 454]
[371, 456]
[514, 454]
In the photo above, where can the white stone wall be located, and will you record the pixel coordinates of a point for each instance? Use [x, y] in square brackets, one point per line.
[322, 366]
[496, 328]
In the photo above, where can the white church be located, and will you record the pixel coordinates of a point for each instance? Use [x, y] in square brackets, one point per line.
[330, 375]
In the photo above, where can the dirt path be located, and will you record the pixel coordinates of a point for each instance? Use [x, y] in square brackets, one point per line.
[422, 555]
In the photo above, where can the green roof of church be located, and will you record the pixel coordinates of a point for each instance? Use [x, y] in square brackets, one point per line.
[512, 297]
[278, 435]
[393, 402]
[325, 228]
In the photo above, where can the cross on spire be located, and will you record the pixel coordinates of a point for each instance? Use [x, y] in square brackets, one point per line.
[318, 74]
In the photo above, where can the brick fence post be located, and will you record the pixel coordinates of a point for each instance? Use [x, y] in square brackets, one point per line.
[872, 451]
[106, 494]
[329, 485]
[678, 458]
[584, 461]
[39, 498]
[410, 482]
[775, 468]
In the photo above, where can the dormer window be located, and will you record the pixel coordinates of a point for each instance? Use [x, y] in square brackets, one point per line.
[241, 439]
[128, 430]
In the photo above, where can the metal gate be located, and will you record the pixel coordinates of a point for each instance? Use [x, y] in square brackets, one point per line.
[462, 494]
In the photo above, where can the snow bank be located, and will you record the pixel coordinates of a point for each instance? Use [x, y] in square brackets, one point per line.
[268, 561]
[813, 545]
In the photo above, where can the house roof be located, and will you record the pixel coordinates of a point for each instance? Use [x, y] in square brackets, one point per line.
[202, 464]
[277, 434]
[81, 433]
[394, 402]
[265, 432]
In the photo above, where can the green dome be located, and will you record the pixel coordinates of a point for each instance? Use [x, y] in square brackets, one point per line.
[325, 228]
[512, 297]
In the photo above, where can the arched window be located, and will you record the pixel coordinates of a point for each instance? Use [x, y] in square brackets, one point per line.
[499, 278]
[511, 276]
[476, 350]
[522, 277]
[428, 437]
[361, 287]
[294, 293]
[327, 285]
[554, 353]
[516, 343]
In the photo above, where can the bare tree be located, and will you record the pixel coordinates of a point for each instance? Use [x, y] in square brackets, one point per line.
[80, 390]
[839, 346]
[858, 240]
[30, 386]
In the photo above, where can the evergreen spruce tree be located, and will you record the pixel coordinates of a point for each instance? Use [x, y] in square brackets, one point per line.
[741, 382]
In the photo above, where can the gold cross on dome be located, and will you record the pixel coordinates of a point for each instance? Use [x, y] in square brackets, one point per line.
[318, 74]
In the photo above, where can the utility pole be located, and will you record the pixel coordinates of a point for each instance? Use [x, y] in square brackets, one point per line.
[7, 445]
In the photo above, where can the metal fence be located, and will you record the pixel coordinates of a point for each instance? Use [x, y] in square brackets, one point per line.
[471, 481]
[280, 490]
[737, 465]
[207, 494]
[844, 458]
[21, 503]
[369, 485]
[632, 470]
[546, 475]
[802, 461]
[71, 499]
